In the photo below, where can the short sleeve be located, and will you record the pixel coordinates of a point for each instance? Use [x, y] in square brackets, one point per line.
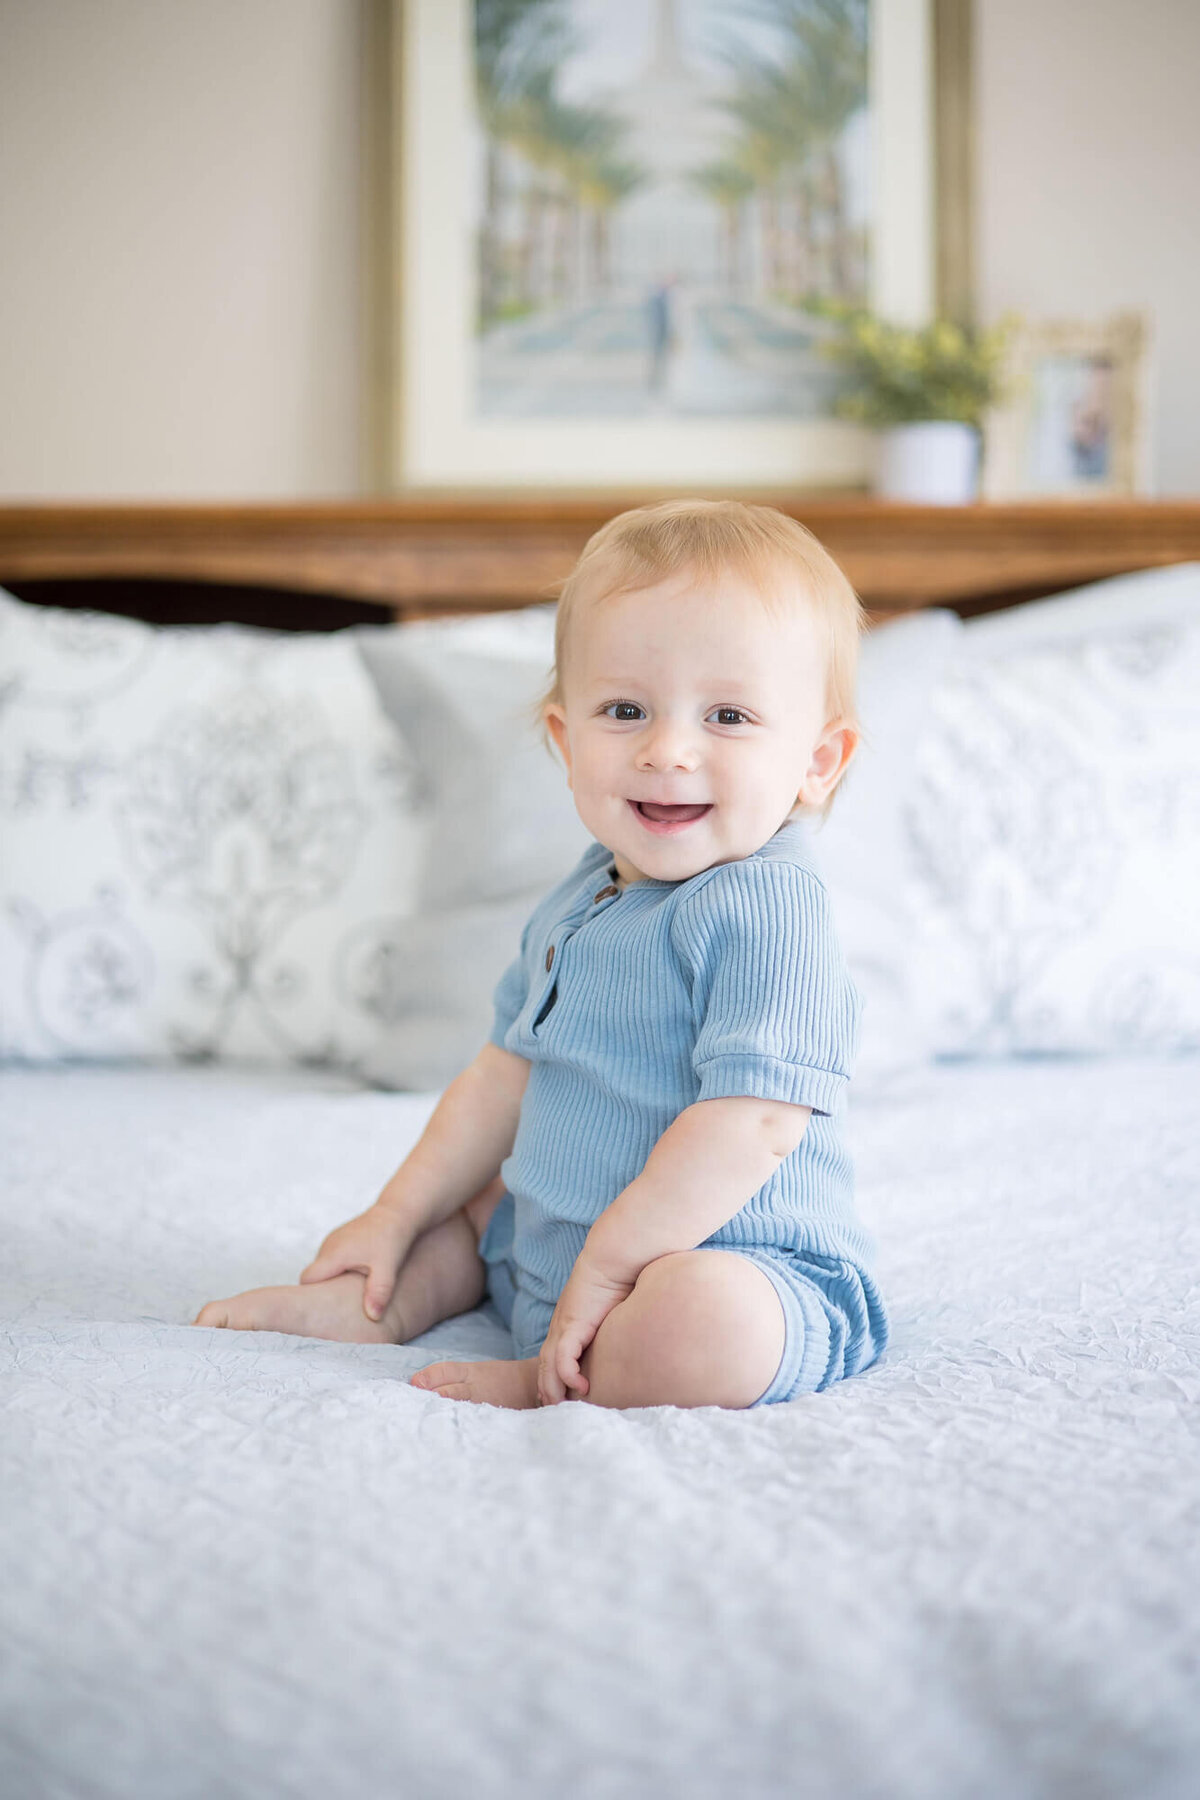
[775, 1011]
[511, 992]
[511, 989]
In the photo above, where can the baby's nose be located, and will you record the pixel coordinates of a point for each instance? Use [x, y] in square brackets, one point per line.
[668, 746]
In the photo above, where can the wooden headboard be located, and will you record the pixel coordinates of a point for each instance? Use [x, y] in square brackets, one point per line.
[317, 565]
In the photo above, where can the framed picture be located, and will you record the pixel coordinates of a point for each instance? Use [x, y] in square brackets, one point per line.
[1074, 423]
[612, 221]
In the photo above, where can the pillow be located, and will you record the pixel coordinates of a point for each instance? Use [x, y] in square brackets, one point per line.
[442, 970]
[1055, 826]
[463, 692]
[205, 830]
[502, 822]
[862, 849]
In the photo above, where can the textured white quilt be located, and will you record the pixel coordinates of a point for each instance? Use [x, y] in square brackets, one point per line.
[252, 1566]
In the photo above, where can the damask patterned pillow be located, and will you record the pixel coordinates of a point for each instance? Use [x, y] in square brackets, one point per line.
[1055, 826]
[208, 840]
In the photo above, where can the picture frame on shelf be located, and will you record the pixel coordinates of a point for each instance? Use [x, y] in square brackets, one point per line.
[1074, 423]
[593, 283]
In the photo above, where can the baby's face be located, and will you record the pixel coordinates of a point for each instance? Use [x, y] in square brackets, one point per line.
[692, 721]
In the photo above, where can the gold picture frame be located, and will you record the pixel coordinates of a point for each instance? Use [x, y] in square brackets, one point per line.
[1073, 423]
[423, 432]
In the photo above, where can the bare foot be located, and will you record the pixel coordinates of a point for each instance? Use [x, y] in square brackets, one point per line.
[319, 1309]
[491, 1383]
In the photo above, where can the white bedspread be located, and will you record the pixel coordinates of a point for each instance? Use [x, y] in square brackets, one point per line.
[253, 1566]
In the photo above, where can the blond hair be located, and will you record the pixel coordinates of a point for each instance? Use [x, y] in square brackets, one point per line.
[708, 538]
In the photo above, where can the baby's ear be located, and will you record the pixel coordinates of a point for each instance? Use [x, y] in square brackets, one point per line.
[831, 757]
[555, 720]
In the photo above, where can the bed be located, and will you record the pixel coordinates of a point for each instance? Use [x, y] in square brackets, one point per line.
[251, 1565]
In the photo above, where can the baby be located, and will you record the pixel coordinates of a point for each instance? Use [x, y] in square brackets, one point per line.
[642, 1168]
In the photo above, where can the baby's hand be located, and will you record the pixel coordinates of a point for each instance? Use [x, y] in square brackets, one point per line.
[375, 1244]
[584, 1303]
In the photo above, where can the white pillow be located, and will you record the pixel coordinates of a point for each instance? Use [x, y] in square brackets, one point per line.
[862, 848]
[502, 822]
[463, 693]
[1055, 826]
[204, 832]
[444, 966]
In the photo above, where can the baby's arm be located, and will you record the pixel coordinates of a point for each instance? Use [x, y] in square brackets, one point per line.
[469, 1134]
[703, 1169]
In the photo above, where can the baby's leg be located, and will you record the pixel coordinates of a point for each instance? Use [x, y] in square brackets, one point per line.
[701, 1328]
[442, 1275]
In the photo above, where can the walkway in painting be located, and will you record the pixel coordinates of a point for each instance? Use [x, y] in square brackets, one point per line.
[727, 359]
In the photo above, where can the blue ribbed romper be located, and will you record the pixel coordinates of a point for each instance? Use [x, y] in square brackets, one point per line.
[632, 1005]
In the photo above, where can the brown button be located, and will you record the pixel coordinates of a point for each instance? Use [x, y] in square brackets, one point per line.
[612, 888]
[549, 958]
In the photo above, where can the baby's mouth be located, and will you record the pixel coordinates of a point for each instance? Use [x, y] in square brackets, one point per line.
[655, 812]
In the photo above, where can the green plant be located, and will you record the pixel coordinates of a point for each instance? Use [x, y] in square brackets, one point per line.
[895, 375]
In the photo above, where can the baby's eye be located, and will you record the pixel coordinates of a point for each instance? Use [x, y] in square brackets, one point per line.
[624, 710]
[728, 715]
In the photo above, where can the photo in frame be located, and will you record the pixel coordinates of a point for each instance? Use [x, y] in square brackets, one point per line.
[1073, 424]
[610, 217]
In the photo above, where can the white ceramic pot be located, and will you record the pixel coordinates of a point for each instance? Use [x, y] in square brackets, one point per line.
[936, 462]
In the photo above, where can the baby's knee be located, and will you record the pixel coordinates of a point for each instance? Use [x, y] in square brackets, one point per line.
[701, 1328]
[687, 1288]
[700, 1291]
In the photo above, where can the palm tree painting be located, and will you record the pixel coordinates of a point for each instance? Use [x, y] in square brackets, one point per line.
[666, 189]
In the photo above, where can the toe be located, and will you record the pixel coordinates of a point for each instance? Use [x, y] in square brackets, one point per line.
[450, 1379]
[214, 1315]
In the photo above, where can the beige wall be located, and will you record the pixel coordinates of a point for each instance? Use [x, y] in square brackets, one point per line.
[1089, 182]
[180, 299]
[179, 231]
